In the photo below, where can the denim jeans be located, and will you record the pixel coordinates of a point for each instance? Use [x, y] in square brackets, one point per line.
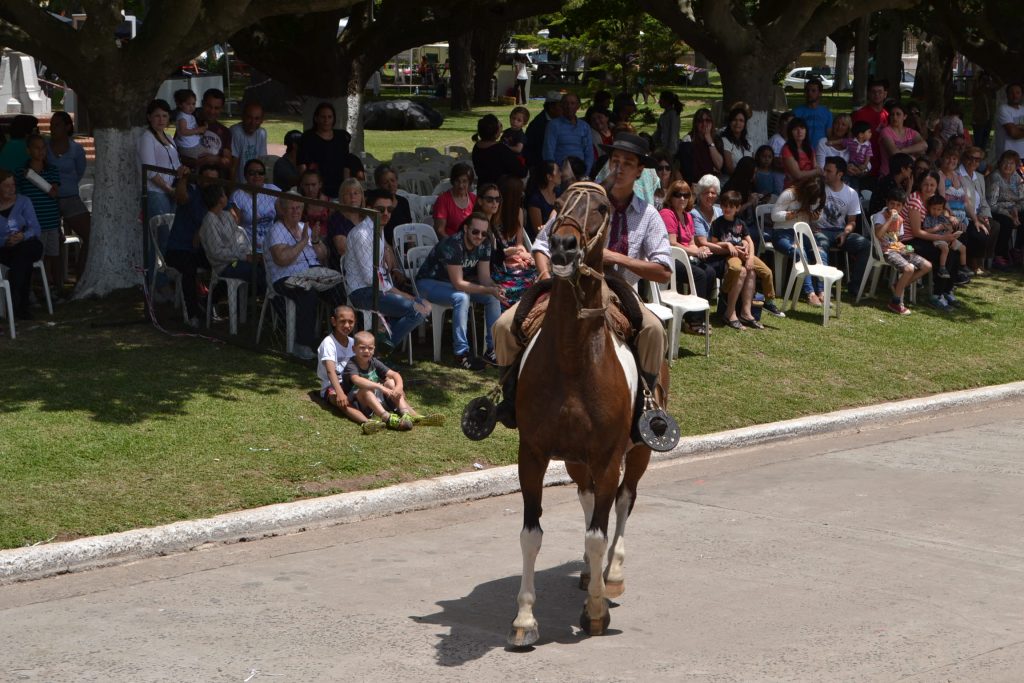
[856, 246]
[445, 293]
[784, 240]
[390, 305]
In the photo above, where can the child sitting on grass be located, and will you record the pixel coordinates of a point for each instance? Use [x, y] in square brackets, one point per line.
[888, 228]
[333, 355]
[374, 389]
[937, 223]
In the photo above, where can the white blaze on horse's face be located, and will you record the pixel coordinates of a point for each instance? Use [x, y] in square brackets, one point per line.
[578, 229]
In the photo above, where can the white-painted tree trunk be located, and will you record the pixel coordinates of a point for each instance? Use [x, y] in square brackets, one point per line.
[757, 129]
[115, 245]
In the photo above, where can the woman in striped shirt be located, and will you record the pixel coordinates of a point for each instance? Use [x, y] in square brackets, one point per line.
[45, 204]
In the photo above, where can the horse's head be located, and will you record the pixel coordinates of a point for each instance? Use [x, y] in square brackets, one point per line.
[580, 230]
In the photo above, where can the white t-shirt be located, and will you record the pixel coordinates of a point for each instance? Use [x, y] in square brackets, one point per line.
[332, 349]
[838, 205]
[522, 71]
[825, 150]
[186, 141]
[245, 147]
[1007, 114]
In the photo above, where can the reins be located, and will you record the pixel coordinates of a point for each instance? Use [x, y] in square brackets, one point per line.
[579, 191]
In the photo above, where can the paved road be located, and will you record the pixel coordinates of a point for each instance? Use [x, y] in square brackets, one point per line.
[892, 554]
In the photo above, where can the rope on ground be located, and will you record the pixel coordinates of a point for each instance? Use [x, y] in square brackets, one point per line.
[152, 313]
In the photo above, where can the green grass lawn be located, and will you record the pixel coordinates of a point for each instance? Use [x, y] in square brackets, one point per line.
[107, 428]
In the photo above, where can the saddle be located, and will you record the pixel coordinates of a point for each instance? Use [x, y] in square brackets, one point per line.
[623, 315]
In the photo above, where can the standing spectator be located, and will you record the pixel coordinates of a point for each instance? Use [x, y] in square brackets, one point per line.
[286, 169]
[457, 273]
[248, 139]
[568, 136]
[951, 123]
[983, 109]
[876, 116]
[1006, 197]
[702, 151]
[183, 251]
[44, 202]
[623, 109]
[20, 246]
[666, 135]
[1010, 121]
[216, 140]
[522, 67]
[896, 137]
[241, 203]
[602, 100]
[816, 115]
[386, 178]
[542, 190]
[537, 130]
[156, 149]
[837, 228]
[765, 182]
[325, 149]
[492, 160]
[455, 205]
[734, 141]
[14, 153]
[798, 155]
[69, 158]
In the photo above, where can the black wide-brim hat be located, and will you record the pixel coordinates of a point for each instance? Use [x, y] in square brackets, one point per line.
[634, 144]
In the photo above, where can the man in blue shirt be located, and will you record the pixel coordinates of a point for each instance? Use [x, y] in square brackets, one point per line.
[538, 127]
[184, 252]
[568, 136]
[816, 115]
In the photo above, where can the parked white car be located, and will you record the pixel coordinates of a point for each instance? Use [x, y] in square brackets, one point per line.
[907, 84]
[797, 78]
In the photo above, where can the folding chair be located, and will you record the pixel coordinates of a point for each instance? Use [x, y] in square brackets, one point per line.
[811, 265]
[682, 304]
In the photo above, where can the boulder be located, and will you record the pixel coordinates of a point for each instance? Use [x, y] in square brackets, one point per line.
[400, 115]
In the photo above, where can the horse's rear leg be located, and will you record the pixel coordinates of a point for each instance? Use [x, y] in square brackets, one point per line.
[525, 630]
[636, 464]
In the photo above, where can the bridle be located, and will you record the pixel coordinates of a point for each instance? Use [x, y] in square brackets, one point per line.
[579, 192]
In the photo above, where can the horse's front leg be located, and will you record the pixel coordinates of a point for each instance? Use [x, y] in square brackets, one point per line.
[525, 630]
[596, 617]
[637, 460]
[585, 492]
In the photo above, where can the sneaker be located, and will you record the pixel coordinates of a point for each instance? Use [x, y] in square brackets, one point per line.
[951, 300]
[942, 272]
[399, 423]
[468, 362]
[372, 426]
[963, 277]
[431, 420]
[773, 309]
[490, 357]
[898, 308]
[938, 302]
[303, 352]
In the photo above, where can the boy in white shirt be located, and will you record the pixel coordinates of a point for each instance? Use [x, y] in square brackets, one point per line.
[334, 352]
[188, 133]
[887, 225]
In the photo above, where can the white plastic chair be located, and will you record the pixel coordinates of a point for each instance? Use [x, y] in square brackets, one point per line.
[664, 313]
[761, 214]
[6, 304]
[403, 160]
[456, 151]
[873, 271]
[811, 265]
[237, 297]
[410, 235]
[160, 265]
[427, 153]
[289, 317]
[442, 187]
[85, 192]
[416, 182]
[38, 265]
[682, 304]
[415, 258]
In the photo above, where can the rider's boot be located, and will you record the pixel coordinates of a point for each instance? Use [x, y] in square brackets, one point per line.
[506, 409]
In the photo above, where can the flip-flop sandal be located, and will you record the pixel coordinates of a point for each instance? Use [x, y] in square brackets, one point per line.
[751, 322]
[735, 324]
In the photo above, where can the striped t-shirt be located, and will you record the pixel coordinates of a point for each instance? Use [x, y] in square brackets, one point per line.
[47, 210]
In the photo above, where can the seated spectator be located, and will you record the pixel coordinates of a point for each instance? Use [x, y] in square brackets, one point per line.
[767, 182]
[734, 261]
[797, 155]
[455, 205]
[896, 137]
[492, 160]
[837, 141]
[14, 152]
[311, 187]
[248, 140]
[294, 262]
[742, 182]
[734, 140]
[666, 176]
[512, 266]
[937, 223]
[225, 243]
[601, 132]
[970, 161]
[20, 246]
[343, 221]
[69, 158]
[1006, 197]
[887, 225]
[386, 178]
[404, 312]
[538, 128]
[706, 208]
[374, 389]
[837, 228]
[802, 202]
[959, 194]
[188, 133]
[334, 352]
[242, 203]
[183, 252]
[777, 142]
[543, 188]
[901, 177]
[44, 202]
[679, 223]
[859, 153]
[923, 242]
[286, 169]
[457, 273]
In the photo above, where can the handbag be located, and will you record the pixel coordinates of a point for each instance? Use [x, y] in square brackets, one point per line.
[318, 277]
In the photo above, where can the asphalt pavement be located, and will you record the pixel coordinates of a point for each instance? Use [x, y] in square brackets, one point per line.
[892, 552]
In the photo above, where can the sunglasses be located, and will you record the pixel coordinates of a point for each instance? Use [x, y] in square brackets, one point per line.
[383, 209]
[477, 233]
[260, 173]
[680, 195]
[664, 167]
[490, 198]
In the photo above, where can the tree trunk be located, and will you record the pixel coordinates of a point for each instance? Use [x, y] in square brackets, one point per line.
[843, 49]
[751, 78]
[486, 48]
[115, 246]
[889, 50]
[700, 78]
[860, 62]
[461, 62]
[933, 80]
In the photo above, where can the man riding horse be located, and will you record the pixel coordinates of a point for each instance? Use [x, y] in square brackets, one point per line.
[638, 248]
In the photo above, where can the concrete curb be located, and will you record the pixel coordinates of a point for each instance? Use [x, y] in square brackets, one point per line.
[35, 562]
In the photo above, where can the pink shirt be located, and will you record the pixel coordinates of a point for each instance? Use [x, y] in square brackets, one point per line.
[915, 204]
[446, 208]
[900, 141]
[682, 229]
[877, 120]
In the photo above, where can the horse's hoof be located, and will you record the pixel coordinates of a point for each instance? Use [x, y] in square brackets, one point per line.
[594, 627]
[613, 589]
[584, 582]
[523, 637]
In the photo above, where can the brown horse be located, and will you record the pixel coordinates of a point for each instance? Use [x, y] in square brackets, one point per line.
[575, 402]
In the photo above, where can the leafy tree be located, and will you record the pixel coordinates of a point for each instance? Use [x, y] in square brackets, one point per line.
[988, 32]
